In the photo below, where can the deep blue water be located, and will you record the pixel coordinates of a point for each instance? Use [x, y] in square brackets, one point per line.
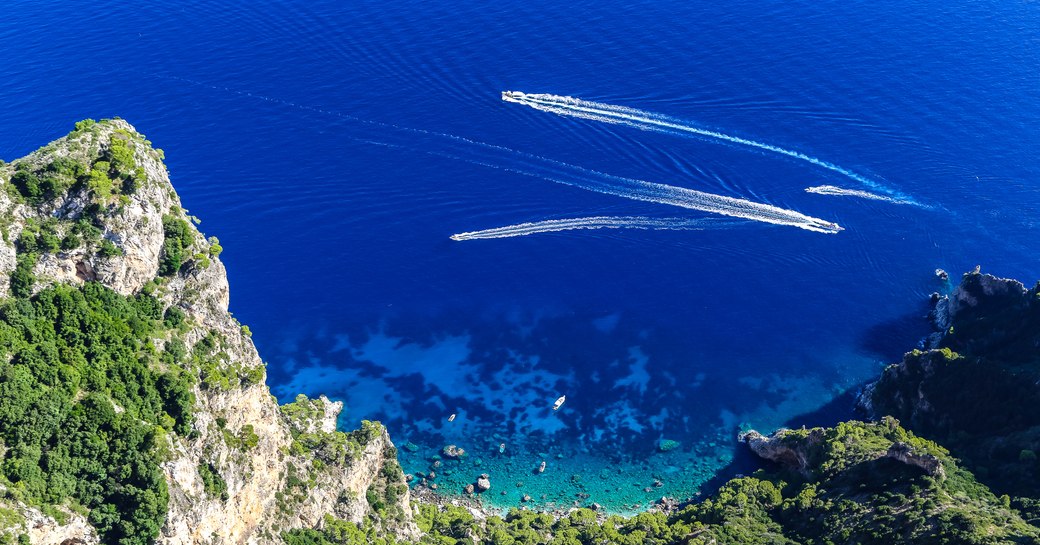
[295, 131]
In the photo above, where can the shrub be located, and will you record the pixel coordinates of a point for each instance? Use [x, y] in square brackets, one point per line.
[28, 185]
[212, 483]
[98, 180]
[248, 437]
[214, 246]
[22, 279]
[177, 238]
[85, 124]
[120, 156]
[173, 318]
[108, 249]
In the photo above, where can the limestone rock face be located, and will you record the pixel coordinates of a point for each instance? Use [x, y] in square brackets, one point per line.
[984, 315]
[802, 451]
[792, 455]
[240, 431]
[977, 292]
[133, 225]
[902, 452]
[42, 528]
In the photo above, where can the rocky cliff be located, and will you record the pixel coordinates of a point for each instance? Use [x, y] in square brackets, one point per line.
[983, 355]
[976, 389]
[804, 451]
[98, 206]
[874, 483]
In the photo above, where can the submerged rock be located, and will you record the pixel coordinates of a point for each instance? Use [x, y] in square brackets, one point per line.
[665, 445]
[453, 452]
[483, 483]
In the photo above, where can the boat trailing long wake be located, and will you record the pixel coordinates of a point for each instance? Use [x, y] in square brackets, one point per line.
[511, 160]
[842, 192]
[594, 222]
[640, 190]
[642, 119]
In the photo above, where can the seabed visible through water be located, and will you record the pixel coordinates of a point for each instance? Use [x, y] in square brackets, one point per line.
[630, 433]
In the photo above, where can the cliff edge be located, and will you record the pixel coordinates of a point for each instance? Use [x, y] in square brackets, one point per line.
[96, 208]
[977, 387]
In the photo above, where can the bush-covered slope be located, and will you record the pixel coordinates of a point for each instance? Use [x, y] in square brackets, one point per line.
[85, 401]
[978, 393]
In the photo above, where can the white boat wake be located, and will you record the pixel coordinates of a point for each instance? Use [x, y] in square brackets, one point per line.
[642, 119]
[595, 222]
[629, 188]
[511, 160]
[842, 192]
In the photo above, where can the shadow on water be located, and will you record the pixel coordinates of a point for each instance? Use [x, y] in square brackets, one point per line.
[889, 340]
[745, 462]
[892, 338]
[839, 409]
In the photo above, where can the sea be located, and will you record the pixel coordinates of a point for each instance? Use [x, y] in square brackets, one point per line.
[628, 230]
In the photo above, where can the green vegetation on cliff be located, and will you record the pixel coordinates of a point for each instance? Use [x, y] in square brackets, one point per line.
[852, 489]
[84, 402]
[978, 394]
[107, 172]
[86, 398]
[330, 447]
[178, 238]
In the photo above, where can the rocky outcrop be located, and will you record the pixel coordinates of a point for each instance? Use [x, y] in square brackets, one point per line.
[134, 225]
[902, 389]
[830, 450]
[483, 483]
[972, 389]
[976, 288]
[778, 449]
[981, 310]
[904, 453]
[273, 483]
[987, 336]
[18, 518]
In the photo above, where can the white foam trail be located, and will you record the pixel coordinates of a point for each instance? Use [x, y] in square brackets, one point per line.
[640, 190]
[641, 119]
[500, 157]
[594, 222]
[842, 192]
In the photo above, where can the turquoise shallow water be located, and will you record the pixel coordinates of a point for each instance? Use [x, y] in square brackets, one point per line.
[335, 147]
[603, 449]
